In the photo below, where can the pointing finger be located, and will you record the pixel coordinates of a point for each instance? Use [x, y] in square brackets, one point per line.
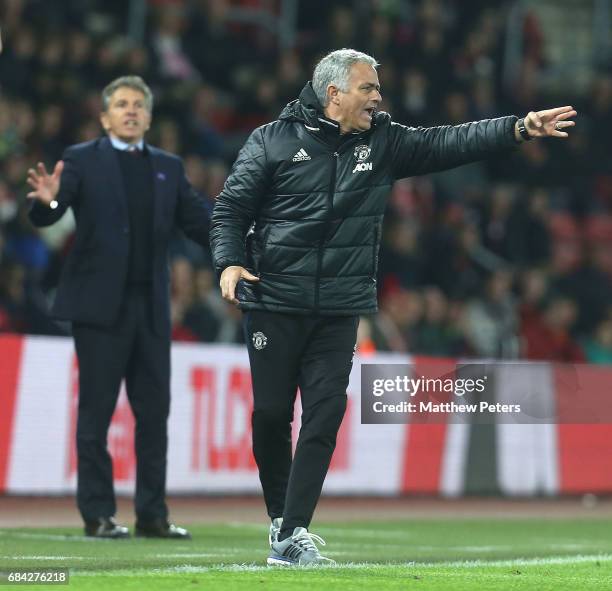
[567, 115]
[560, 110]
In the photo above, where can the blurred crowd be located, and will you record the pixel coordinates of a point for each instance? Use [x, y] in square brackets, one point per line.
[508, 258]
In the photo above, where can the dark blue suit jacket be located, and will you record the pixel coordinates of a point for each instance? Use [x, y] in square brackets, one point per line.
[94, 276]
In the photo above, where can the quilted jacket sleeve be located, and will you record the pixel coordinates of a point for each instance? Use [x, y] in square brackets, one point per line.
[419, 150]
[237, 205]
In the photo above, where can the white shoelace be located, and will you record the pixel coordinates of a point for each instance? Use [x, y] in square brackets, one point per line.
[307, 541]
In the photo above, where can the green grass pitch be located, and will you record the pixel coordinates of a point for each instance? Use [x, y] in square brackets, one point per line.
[433, 554]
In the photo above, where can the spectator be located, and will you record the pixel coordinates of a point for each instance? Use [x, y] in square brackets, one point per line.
[442, 61]
[182, 294]
[436, 335]
[550, 339]
[491, 321]
[534, 286]
[401, 256]
[598, 349]
[174, 63]
[395, 326]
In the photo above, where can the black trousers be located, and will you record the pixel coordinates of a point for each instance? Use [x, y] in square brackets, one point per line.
[316, 355]
[129, 350]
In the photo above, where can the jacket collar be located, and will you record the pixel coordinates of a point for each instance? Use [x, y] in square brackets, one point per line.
[124, 146]
[308, 110]
[105, 143]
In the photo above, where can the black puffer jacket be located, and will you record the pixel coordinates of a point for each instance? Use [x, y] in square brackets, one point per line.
[303, 207]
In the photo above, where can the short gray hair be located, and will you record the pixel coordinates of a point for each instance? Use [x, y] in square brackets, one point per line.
[335, 68]
[133, 82]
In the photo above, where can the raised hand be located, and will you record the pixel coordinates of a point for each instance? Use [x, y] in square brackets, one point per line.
[550, 122]
[45, 185]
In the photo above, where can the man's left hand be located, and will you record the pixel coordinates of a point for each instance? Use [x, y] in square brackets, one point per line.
[550, 122]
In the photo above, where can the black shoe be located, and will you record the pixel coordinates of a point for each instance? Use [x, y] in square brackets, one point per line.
[160, 528]
[107, 528]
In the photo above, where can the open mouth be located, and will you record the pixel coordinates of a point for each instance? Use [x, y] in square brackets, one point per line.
[370, 111]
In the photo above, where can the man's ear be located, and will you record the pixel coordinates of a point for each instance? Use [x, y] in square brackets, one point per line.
[333, 94]
[104, 121]
[148, 124]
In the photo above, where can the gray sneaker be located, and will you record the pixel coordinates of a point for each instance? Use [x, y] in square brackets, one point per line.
[298, 550]
[275, 527]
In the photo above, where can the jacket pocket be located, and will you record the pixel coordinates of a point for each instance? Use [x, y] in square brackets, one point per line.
[263, 246]
[255, 248]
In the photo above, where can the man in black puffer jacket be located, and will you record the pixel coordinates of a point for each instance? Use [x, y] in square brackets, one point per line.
[295, 236]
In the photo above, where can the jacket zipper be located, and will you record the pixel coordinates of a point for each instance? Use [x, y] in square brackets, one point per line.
[330, 203]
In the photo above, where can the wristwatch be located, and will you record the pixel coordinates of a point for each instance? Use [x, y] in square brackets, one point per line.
[523, 130]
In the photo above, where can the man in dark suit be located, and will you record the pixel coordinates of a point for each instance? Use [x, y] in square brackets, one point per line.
[126, 197]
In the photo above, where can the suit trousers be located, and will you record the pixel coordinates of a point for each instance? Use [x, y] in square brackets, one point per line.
[129, 350]
[314, 353]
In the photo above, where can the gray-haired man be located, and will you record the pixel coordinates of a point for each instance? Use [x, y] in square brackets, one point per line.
[308, 192]
[126, 197]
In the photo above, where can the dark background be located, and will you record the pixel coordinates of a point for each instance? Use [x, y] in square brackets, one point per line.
[509, 258]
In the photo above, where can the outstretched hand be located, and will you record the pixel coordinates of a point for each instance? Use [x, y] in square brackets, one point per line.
[45, 185]
[550, 122]
[229, 280]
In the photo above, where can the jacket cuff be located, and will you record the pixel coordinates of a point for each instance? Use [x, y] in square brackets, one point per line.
[513, 119]
[221, 266]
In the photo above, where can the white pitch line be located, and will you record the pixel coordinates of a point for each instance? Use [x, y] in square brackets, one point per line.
[347, 543]
[542, 561]
[194, 555]
[221, 553]
[38, 557]
[411, 548]
[490, 548]
[409, 566]
[54, 537]
[419, 548]
[366, 533]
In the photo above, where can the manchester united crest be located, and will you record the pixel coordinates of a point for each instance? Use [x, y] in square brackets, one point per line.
[362, 153]
[260, 340]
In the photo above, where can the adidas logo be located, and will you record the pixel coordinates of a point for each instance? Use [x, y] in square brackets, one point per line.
[301, 156]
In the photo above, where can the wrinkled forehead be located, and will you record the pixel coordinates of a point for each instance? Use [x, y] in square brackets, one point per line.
[362, 73]
[125, 93]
